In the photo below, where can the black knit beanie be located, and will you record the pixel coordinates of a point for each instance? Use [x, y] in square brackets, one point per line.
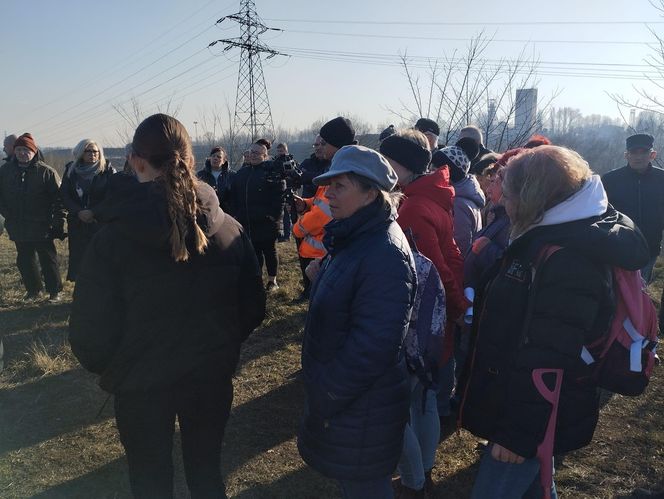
[338, 132]
[390, 130]
[407, 153]
[426, 125]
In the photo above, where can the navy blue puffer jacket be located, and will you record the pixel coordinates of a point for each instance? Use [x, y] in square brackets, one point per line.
[357, 396]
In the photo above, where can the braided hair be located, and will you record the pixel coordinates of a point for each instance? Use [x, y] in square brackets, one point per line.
[165, 144]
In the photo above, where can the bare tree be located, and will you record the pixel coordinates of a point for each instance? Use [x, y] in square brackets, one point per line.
[650, 96]
[459, 89]
[132, 114]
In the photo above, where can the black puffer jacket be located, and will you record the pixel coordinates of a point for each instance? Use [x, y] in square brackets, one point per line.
[221, 184]
[640, 196]
[311, 168]
[30, 201]
[256, 199]
[522, 326]
[144, 321]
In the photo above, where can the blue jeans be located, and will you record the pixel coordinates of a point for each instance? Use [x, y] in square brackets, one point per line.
[446, 387]
[420, 436]
[497, 480]
[377, 488]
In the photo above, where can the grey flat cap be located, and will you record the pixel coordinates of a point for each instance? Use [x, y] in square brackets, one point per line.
[361, 161]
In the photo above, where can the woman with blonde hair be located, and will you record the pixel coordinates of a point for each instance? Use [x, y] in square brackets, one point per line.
[537, 312]
[84, 187]
[167, 292]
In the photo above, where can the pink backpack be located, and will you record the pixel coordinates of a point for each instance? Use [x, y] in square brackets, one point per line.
[623, 358]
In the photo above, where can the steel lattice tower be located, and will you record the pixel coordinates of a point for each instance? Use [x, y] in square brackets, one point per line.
[252, 105]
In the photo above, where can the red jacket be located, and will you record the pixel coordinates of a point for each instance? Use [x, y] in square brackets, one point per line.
[428, 212]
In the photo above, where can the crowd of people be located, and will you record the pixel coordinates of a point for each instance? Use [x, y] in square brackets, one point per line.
[441, 281]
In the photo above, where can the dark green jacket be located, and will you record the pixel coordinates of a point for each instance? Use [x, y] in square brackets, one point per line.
[30, 201]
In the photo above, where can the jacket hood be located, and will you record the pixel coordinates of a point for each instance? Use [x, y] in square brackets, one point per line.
[469, 188]
[588, 224]
[140, 212]
[435, 187]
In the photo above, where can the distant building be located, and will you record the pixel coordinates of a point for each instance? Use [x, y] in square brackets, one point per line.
[525, 116]
[491, 114]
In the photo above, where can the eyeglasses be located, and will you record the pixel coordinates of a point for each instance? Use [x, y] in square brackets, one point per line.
[317, 144]
[93, 151]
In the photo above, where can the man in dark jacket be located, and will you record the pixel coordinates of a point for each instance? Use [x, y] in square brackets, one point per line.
[256, 200]
[285, 162]
[473, 132]
[8, 147]
[637, 190]
[218, 175]
[31, 204]
[311, 167]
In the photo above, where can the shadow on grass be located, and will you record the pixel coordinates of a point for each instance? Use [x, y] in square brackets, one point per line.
[301, 484]
[261, 424]
[88, 485]
[49, 407]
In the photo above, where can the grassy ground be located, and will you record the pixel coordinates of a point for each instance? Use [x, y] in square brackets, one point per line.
[58, 437]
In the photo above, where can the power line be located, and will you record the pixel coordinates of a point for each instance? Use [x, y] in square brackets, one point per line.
[132, 59]
[469, 23]
[448, 39]
[448, 60]
[528, 66]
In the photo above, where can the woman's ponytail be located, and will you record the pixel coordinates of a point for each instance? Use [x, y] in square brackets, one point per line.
[180, 189]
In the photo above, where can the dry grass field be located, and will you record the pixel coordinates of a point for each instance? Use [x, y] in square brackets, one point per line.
[58, 437]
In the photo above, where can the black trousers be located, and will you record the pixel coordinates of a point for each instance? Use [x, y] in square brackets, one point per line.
[146, 423]
[306, 283]
[26, 261]
[266, 251]
[304, 262]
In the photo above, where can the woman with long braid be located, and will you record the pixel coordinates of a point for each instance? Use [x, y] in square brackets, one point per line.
[165, 295]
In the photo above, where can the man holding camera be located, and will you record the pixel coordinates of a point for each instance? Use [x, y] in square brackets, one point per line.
[286, 163]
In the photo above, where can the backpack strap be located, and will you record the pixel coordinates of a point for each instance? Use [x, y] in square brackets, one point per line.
[545, 448]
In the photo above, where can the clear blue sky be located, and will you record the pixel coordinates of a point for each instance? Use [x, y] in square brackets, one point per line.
[65, 64]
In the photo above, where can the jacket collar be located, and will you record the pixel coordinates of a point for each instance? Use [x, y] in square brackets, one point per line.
[340, 233]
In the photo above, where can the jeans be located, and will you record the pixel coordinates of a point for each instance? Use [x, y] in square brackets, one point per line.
[446, 387]
[646, 272]
[146, 423]
[498, 480]
[420, 437]
[377, 488]
[266, 251]
[26, 261]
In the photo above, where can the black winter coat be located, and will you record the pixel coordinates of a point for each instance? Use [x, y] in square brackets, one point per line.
[311, 168]
[80, 233]
[221, 184]
[521, 326]
[30, 201]
[357, 392]
[640, 196]
[144, 321]
[256, 200]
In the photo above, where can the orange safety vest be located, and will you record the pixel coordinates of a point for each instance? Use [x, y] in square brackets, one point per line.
[309, 226]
